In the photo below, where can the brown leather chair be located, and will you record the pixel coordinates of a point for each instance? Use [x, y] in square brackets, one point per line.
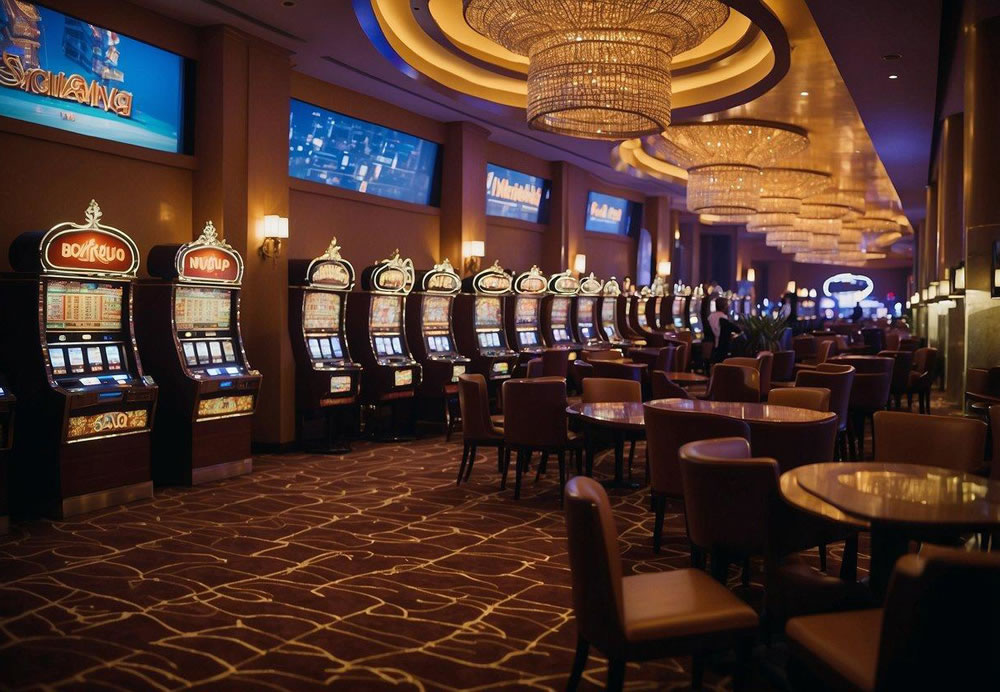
[605, 354]
[645, 616]
[666, 432]
[783, 368]
[601, 389]
[951, 442]
[804, 346]
[813, 398]
[909, 344]
[555, 362]
[795, 444]
[734, 383]
[534, 368]
[762, 363]
[921, 377]
[581, 370]
[892, 340]
[664, 388]
[995, 432]
[665, 358]
[901, 370]
[536, 420]
[682, 338]
[869, 393]
[618, 370]
[479, 429]
[824, 349]
[839, 380]
[937, 631]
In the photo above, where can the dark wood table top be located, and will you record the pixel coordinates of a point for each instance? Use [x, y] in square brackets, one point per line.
[626, 415]
[765, 413]
[899, 494]
[686, 378]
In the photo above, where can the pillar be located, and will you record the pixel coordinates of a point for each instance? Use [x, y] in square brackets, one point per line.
[951, 250]
[660, 220]
[564, 237]
[463, 185]
[982, 203]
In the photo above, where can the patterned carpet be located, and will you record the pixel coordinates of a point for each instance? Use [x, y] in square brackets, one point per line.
[369, 571]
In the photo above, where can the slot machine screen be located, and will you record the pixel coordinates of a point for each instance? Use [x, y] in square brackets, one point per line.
[114, 357]
[526, 311]
[560, 311]
[488, 312]
[197, 308]
[585, 310]
[608, 311]
[321, 310]
[678, 312]
[385, 314]
[436, 311]
[83, 306]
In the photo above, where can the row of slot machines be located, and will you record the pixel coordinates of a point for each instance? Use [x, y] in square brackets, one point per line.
[120, 382]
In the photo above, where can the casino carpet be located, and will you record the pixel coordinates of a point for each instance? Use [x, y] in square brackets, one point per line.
[369, 571]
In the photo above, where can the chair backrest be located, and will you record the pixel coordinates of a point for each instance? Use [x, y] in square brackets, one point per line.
[814, 398]
[834, 367]
[804, 346]
[620, 371]
[952, 442]
[665, 359]
[892, 341]
[872, 381]
[765, 366]
[668, 430]
[606, 354]
[474, 403]
[682, 357]
[599, 389]
[824, 348]
[595, 564]
[796, 444]
[995, 428]
[903, 363]
[722, 468]
[783, 366]
[941, 608]
[734, 383]
[874, 338]
[924, 360]
[581, 371]
[534, 368]
[555, 362]
[663, 388]
[839, 384]
[535, 412]
[909, 343]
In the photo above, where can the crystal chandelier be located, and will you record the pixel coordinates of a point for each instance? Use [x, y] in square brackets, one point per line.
[725, 160]
[875, 220]
[598, 69]
[781, 193]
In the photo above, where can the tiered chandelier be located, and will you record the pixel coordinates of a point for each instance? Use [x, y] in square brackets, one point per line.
[725, 161]
[598, 69]
[781, 193]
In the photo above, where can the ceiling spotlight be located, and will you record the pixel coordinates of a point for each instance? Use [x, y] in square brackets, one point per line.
[894, 76]
[803, 93]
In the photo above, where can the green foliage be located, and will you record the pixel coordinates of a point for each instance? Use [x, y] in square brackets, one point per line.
[763, 332]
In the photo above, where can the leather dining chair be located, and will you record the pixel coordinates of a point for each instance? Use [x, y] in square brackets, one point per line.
[644, 616]
[618, 370]
[950, 442]
[684, 341]
[804, 346]
[783, 368]
[734, 383]
[665, 358]
[666, 432]
[609, 389]
[839, 380]
[479, 428]
[909, 343]
[901, 370]
[936, 631]
[606, 354]
[814, 398]
[762, 363]
[664, 388]
[824, 348]
[536, 421]
[921, 377]
[756, 522]
[581, 370]
[869, 394]
[892, 341]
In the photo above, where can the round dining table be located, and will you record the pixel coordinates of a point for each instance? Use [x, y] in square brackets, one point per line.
[686, 379]
[621, 418]
[897, 503]
[749, 412]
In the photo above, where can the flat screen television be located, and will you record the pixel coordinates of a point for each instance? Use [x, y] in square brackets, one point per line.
[516, 195]
[62, 72]
[335, 149]
[609, 214]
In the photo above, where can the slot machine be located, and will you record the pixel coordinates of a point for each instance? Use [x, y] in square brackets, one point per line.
[635, 311]
[523, 313]
[654, 305]
[584, 315]
[85, 404]
[678, 307]
[556, 308]
[479, 324]
[429, 332]
[695, 320]
[326, 378]
[608, 306]
[376, 334]
[188, 325]
[7, 404]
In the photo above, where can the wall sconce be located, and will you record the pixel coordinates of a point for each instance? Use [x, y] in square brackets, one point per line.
[790, 288]
[580, 264]
[751, 275]
[915, 298]
[944, 285]
[662, 267]
[473, 252]
[995, 274]
[958, 284]
[924, 294]
[932, 290]
[275, 230]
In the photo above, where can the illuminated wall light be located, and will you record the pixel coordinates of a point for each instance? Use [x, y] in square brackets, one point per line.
[812, 293]
[580, 264]
[959, 282]
[473, 252]
[662, 267]
[751, 275]
[995, 289]
[790, 288]
[275, 230]
[932, 291]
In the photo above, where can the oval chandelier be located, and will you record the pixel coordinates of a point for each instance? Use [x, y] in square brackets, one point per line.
[598, 69]
[781, 193]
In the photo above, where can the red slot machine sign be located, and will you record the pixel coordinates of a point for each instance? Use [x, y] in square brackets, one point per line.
[212, 264]
[92, 251]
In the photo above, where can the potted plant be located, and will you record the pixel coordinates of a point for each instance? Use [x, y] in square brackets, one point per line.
[763, 332]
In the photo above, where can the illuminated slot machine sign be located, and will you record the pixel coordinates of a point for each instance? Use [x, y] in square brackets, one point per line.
[486, 292]
[429, 328]
[188, 324]
[563, 287]
[677, 310]
[524, 313]
[586, 309]
[325, 373]
[640, 315]
[694, 315]
[376, 330]
[85, 395]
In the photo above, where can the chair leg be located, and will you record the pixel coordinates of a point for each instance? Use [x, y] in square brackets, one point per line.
[468, 468]
[579, 461]
[518, 469]
[909, 401]
[506, 468]
[616, 674]
[542, 466]
[465, 458]
[562, 475]
[927, 398]
[660, 507]
[500, 459]
[849, 565]
[631, 456]
[697, 671]
[822, 557]
[745, 575]
[579, 663]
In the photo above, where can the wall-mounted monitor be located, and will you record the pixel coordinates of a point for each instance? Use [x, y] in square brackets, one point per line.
[516, 195]
[335, 149]
[60, 71]
[609, 214]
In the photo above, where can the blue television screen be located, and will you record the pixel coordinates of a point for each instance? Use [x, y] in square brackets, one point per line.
[607, 214]
[516, 195]
[336, 149]
[62, 72]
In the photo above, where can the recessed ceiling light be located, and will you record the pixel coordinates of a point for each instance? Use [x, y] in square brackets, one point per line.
[288, 3]
[894, 76]
[803, 93]
[891, 56]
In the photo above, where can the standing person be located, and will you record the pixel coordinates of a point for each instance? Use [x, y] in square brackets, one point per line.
[722, 330]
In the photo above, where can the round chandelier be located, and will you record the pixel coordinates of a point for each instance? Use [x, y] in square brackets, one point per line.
[725, 160]
[598, 69]
[781, 193]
